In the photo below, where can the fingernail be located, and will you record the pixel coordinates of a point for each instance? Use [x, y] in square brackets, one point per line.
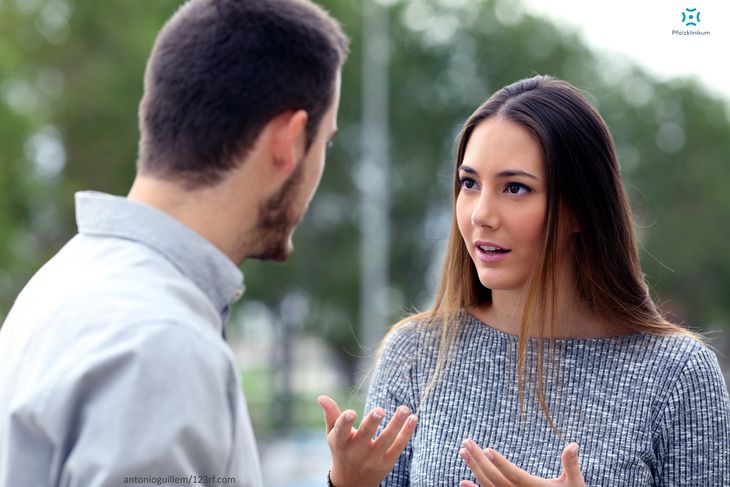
[464, 454]
[489, 453]
[412, 420]
[378, 414]
[573, 450]
[403, 412]
[468, 445]
[350, 415]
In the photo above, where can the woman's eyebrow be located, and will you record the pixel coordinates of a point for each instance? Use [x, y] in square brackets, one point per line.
[510, 173]
[507, 173]
[468, 169]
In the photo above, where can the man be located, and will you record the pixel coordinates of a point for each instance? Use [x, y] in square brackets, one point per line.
[114, 367]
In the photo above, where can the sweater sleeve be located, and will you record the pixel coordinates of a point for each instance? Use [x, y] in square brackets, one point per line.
[692, 432]
[392, 385]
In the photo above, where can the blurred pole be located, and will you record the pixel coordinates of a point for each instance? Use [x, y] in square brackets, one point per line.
[373, 174]
[281, 411]
[287, 397]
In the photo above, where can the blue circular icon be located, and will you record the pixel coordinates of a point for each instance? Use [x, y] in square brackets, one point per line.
[690, 17]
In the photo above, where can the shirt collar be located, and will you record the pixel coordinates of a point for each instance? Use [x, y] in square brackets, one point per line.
[197, 258]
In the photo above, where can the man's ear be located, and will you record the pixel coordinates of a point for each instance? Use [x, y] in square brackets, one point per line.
[289, 139]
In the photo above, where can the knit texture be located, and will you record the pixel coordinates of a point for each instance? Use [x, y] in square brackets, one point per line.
[645, 410]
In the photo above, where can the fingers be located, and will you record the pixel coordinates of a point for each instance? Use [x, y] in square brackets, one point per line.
[571, 467]
[331, 411]
[493, 470]
[357, 459]
[390, 432]
[343, 427]
[401, 440]
[370, 424]
[509, 471]
[486, 473]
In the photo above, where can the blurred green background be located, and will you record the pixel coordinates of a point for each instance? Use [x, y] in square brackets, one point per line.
[71, 79]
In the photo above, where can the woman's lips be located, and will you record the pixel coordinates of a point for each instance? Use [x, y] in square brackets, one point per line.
[489, 253]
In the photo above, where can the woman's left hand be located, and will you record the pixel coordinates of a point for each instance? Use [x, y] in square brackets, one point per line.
[493, 470]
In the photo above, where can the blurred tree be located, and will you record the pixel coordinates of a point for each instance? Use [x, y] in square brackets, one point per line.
[70, 82]
[71, 79]
[447, 57]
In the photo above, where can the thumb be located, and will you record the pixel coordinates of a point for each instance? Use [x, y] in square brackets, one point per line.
[331, 411]
[571, 468]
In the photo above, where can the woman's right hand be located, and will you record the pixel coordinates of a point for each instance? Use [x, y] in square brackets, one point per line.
[491, 469]
[359, 459]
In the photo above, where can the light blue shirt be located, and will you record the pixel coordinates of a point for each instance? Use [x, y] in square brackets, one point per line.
[113, 366]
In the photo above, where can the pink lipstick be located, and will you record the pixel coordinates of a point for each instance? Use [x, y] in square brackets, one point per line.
[489, 252]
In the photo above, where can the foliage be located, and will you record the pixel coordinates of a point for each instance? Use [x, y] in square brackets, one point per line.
[71, 80]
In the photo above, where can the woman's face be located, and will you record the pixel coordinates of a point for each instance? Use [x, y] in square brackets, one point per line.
[502, 203]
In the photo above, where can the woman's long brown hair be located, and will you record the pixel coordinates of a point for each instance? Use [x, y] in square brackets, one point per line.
[583, 174]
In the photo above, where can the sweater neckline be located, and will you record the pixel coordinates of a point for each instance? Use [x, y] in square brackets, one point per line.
[476, 322]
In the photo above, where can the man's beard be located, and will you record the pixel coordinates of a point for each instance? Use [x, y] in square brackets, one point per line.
[277, 219]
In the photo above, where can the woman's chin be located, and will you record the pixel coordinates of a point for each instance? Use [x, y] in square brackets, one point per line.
[499, 283]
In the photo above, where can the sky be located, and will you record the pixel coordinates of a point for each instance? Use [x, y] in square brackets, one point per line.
[641, 30]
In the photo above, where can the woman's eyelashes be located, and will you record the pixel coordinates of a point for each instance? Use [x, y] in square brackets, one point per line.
[467, 183]
[511, 188]
[517, 188]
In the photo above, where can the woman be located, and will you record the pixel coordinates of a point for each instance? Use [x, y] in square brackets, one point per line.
[543, 337]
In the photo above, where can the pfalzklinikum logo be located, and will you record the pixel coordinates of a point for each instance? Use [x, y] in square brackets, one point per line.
[691, 17]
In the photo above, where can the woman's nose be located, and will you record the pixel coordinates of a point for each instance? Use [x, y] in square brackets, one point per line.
[485, 213]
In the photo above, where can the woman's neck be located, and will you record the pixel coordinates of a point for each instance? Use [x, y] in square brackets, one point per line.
[573, 318]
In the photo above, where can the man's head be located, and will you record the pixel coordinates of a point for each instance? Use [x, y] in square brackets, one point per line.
[221, 72]
[280, 213]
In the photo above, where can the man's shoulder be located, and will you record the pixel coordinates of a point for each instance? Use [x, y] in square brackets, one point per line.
[87, 312]
[103, 281]
[147, 388]
[167, 348]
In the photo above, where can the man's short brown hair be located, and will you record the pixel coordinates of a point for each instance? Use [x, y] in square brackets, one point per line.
[220, 70]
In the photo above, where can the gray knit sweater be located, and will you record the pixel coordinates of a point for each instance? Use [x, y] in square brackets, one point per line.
[645, 410]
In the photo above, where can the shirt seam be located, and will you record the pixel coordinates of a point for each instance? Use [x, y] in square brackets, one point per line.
[675, 381]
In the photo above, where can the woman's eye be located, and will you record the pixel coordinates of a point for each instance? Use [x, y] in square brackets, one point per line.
[468, 183]
[517, 188]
